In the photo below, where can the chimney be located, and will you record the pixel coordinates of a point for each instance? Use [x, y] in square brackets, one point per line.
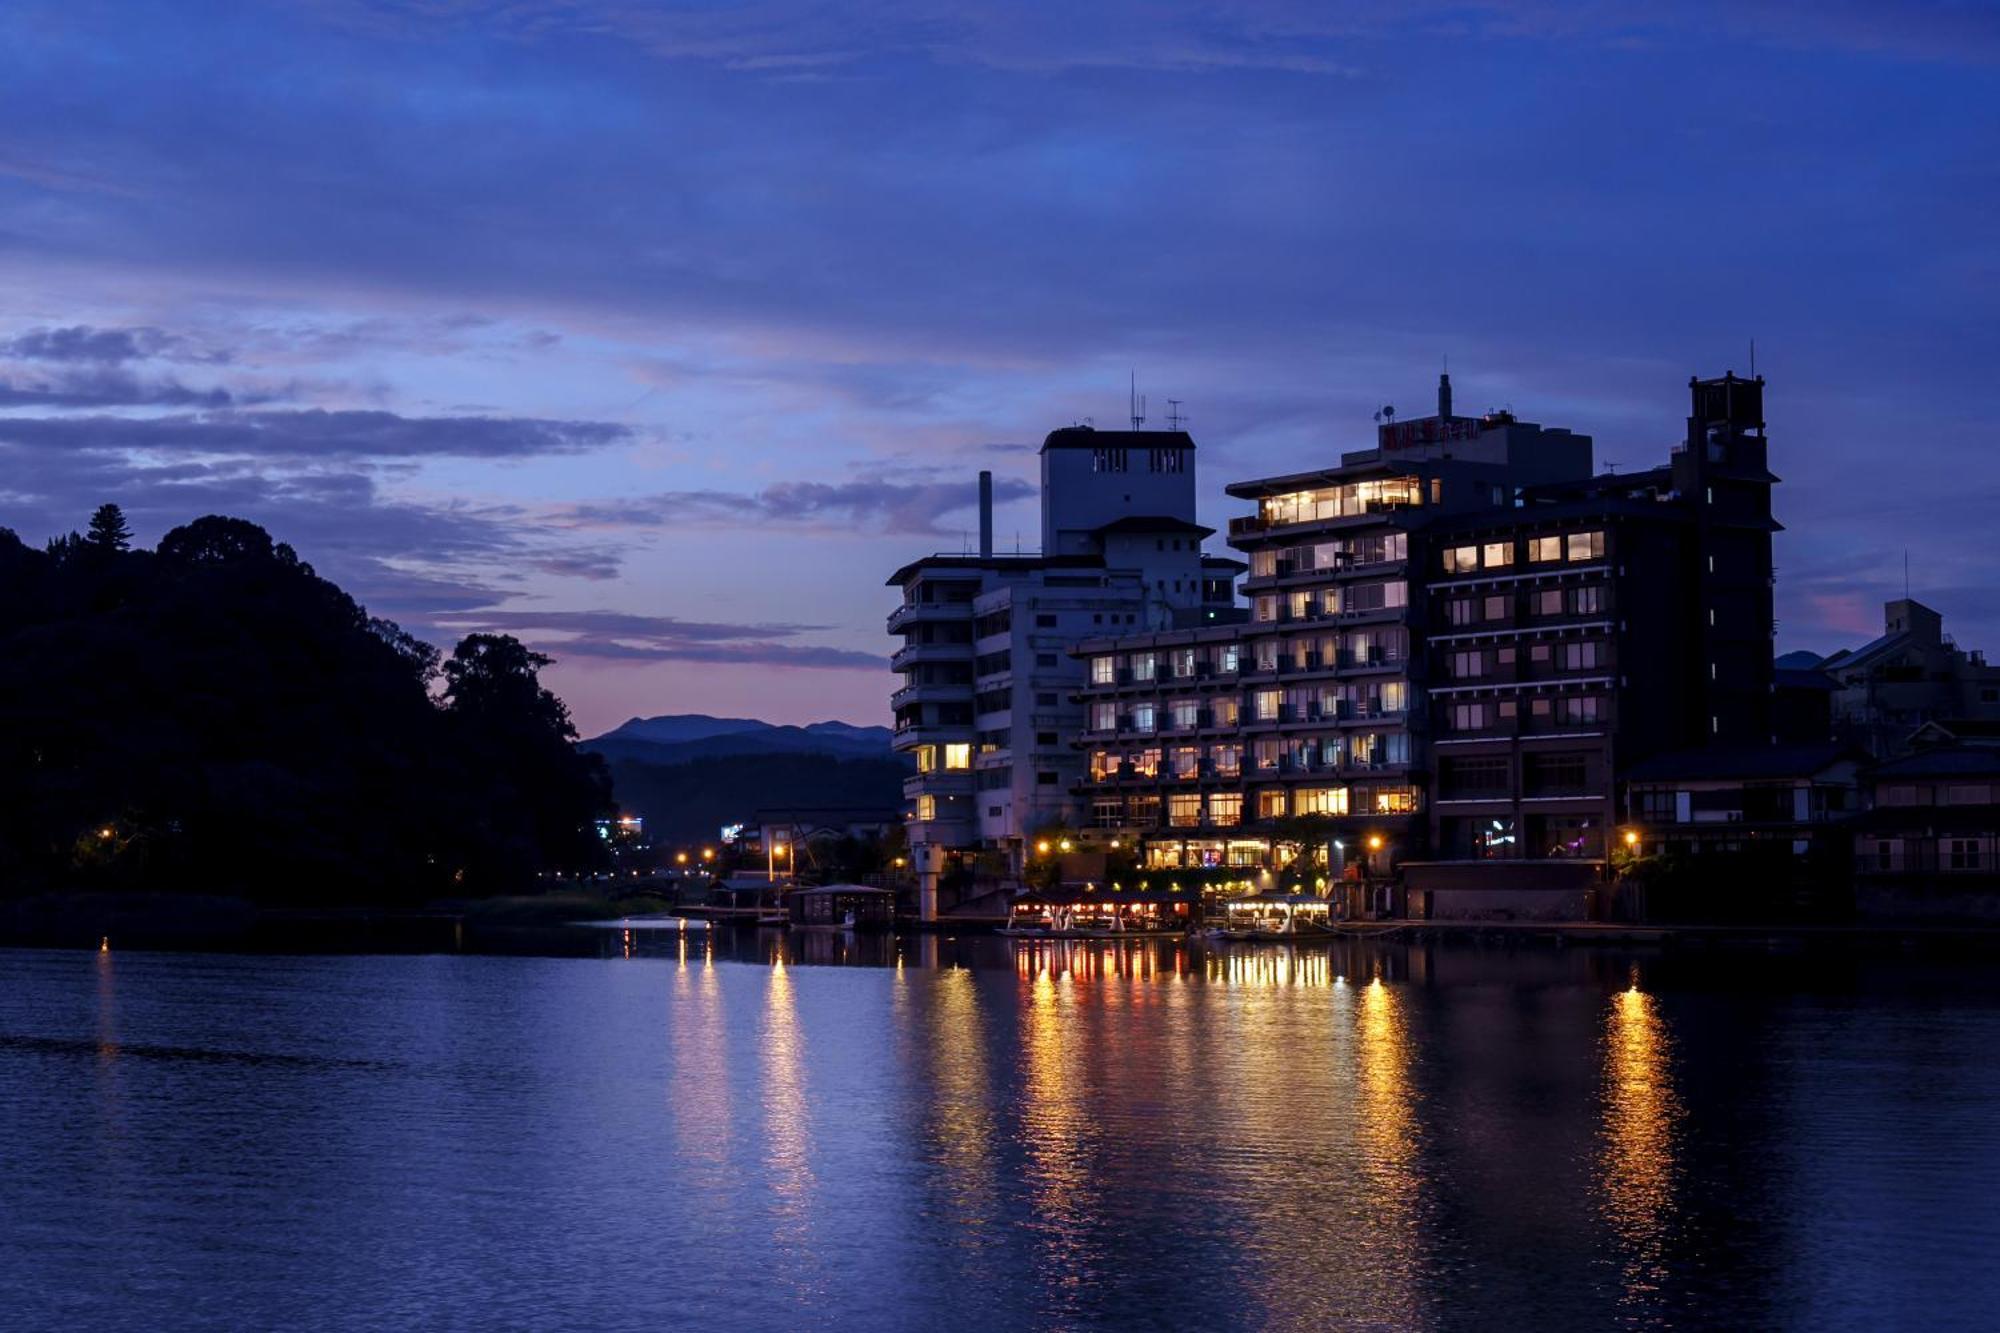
[986, 515]
[1444, 395]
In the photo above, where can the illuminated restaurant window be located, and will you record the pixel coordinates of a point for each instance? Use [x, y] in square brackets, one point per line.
[1225, 808]
[1184, 810]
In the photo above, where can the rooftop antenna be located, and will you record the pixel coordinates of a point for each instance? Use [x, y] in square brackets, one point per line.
[1753, 358]
[1175, 417]
[1137, 404]
[1906, 573]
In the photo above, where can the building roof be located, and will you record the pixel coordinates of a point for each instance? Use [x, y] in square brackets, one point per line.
[1971, 730]
[1151, 523]
[948, 560]
[1089, 437]
[1872, 651]
[1747, 762]
[845, 890]
[1946, 761]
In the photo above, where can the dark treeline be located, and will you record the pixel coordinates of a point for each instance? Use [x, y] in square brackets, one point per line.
[212, 716]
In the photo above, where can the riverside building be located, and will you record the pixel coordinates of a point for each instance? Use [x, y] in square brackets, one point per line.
[1456, 640]
[986, 706]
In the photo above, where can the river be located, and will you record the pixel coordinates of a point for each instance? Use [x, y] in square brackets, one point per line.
[777, 1132]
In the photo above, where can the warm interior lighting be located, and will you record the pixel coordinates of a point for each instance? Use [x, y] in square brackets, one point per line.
[1375, 843]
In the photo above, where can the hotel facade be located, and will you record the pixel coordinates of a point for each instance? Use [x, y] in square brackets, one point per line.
[1457, 641]
[987, 707]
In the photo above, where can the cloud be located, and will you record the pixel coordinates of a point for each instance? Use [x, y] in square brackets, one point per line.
[315, 433]
[905, 508]
[81, 342]
[620, 636]
[104, 387]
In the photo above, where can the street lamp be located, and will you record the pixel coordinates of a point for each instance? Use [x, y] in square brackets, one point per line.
[1631, 837]
[1043, 847]
[680, 858]
[1064, 844]
[773, 851]
[708, 853]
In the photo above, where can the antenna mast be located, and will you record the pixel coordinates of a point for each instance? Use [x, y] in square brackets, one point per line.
[1175, 417]
[1137, 404]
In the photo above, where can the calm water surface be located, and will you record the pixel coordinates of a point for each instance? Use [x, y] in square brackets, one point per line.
[997, 1135]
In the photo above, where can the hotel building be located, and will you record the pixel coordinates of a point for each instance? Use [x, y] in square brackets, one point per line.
[987, 703]
[1456, 640]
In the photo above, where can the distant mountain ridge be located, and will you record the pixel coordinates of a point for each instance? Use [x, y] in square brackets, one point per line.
[677, 738]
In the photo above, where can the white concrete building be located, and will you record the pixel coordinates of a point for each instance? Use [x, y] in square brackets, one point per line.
[985, 703]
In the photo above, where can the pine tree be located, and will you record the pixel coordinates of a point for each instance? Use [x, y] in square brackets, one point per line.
[108, 530]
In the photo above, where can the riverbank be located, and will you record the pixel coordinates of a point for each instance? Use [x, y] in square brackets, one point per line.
[231, 924]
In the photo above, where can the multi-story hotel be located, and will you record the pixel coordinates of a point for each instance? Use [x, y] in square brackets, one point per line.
[1456, 640]
[987, 705]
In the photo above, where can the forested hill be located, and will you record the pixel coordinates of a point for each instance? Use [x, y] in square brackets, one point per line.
[690, 801]
[213, 716]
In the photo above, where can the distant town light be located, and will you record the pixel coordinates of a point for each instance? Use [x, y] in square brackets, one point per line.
[708, 853]
[104, 832]
[1043, 846]
[1064, 844]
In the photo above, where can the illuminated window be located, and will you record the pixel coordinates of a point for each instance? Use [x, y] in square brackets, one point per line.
[1587, 601]
[1104, 717]
[1586, 546]
[1266, 704]
[1187, 761]
[1186, 714]
[1104, 670]
[1146, 762]
[1143, 719]
[1499, 554]
[1143, 666]
[958, 754]
[1103, 764]
[1184, 810]
[1225, 807]
[1321, 801]
[927, 758]
[1545, 548]
[926, 807]
[1395, 800]
[1225, 711]
[1271, 804]
[1227, 759]
[1230, 658]
[1461, 559]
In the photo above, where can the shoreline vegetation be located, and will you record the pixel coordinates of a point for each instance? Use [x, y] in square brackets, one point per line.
[214, 721]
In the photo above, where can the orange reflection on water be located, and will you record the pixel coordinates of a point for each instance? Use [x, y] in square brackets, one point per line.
[1637, 1162]
[1056, 1129]
[1387, 1134]
[1271, 965]
[960, 1128]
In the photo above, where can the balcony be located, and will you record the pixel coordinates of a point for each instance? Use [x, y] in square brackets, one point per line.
[911, 613]
[918, 654]
[941, 694]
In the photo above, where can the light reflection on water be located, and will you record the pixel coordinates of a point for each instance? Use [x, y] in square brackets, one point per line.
[1641, 1121]
[766, 1130]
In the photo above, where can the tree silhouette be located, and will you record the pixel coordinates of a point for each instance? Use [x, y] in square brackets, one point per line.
[108, 530]
[240, 724]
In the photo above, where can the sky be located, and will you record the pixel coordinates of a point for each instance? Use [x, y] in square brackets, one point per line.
[659, 335]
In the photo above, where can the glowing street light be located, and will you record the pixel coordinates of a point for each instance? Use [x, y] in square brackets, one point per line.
[708, 853]
[1043, 846]
[1374, 842]
[1064, 844]
[680, 858]
[1631, 837]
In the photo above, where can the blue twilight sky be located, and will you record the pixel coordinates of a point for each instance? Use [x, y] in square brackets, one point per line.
[658, 334]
